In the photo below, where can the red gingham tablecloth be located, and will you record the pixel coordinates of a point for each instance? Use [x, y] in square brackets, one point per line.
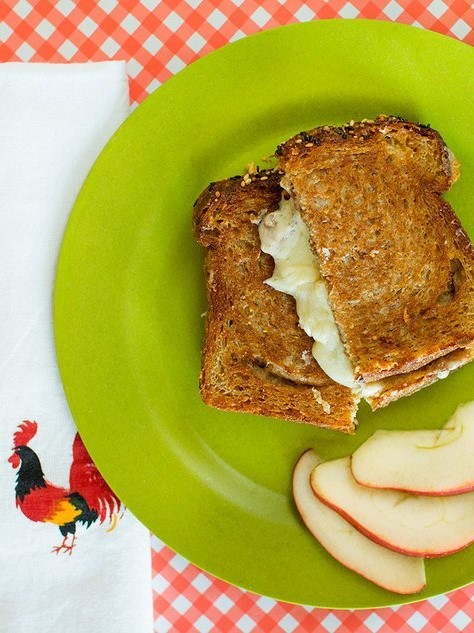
[158, 38]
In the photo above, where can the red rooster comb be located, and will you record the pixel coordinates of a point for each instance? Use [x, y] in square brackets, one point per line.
[25, 433]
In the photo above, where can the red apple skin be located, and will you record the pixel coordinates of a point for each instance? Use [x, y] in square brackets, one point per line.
[458, 434]
[426, 493]
[383, 542]
[302, 513]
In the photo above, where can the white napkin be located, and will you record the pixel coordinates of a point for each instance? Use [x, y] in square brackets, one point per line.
[54, 120]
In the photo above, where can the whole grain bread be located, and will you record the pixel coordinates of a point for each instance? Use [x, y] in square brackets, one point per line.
[402, 385]
[398, 265]
[256, 358]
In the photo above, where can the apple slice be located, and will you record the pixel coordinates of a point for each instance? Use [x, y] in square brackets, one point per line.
[410, 524]
[437, 462]
[390, 570]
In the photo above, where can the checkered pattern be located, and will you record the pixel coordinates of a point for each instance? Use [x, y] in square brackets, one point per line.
[158, 38]
[188, 599]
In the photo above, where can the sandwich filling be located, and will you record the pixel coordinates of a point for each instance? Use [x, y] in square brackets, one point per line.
[285, 237]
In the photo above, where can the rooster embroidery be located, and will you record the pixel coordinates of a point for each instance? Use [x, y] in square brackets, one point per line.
[89, 498]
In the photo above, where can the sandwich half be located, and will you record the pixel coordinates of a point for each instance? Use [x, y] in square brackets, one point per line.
[256, 358]
[395, 264]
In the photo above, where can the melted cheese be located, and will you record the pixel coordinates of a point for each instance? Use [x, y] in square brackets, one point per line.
[285, 237]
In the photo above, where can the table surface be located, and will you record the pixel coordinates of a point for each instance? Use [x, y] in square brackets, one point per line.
[157, 39]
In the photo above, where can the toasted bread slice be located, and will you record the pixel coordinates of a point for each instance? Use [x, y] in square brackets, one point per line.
[396, 387]
[256, 358]
[398, 265]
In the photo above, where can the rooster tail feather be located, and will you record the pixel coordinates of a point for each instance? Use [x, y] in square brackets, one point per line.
[88, 515]
[86, 480]
[113, 522]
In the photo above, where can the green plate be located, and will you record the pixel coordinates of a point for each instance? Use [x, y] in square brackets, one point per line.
[216, 487]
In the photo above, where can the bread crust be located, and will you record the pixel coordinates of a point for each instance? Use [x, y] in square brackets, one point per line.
[397, 262]
[404, 385]
[256, 358]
